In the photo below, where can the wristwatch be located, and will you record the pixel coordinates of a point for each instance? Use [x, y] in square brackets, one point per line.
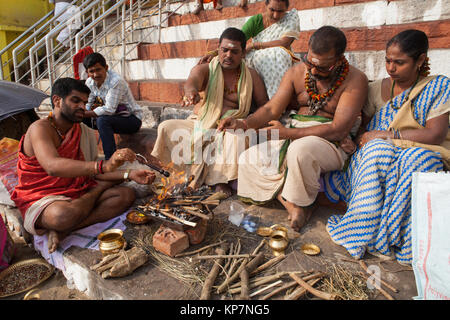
[126, 175]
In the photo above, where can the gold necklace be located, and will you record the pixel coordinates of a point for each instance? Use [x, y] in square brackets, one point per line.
[407, 96]
[53, 124]
[235, 90]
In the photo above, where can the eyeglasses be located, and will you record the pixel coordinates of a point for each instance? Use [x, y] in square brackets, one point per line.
[310, 65]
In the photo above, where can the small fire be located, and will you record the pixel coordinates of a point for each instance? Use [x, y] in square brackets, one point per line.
[170, 184]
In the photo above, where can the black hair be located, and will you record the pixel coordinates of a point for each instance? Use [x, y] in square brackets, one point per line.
[412, 42]
[326, 38]
[285, 1]
[64, 86]
[93, 59]
[234, 34]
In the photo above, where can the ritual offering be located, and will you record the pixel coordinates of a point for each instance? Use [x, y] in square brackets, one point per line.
[177, 205]
[135, 217]
[111, 241]
[23, 276]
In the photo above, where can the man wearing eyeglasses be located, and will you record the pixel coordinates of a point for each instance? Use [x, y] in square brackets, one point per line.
[229, 89]
[329, 95]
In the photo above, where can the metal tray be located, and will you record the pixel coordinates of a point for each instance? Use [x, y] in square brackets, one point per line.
[15, 268]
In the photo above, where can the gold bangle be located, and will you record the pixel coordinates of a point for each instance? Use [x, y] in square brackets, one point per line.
[212, 53]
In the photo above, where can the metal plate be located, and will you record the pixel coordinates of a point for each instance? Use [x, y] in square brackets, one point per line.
[310, 249]
[15, 271]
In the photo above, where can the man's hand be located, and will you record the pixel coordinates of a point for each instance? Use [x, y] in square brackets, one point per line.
[348, 146]
[276, 126]
[370, 135]
[231, 124]
[142, 176]
[90, 114]
[205, 59]
[118, 158]
[190, 98]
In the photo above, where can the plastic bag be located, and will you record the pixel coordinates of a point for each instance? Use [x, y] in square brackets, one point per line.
[430, 217]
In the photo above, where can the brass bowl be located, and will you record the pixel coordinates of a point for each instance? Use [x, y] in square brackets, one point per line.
[136, 217]
[111, 241]
[264, 231]
[278, 242]
[310, 249]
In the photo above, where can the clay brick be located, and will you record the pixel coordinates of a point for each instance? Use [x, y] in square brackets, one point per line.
[197, 235]
[170, 241]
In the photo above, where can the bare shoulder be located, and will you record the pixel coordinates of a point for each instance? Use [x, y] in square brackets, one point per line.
[357, 77]
[254, 73]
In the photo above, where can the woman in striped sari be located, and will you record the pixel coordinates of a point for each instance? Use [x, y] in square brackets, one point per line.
[408, 132]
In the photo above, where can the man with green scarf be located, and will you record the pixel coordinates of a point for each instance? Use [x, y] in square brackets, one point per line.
[229, 89]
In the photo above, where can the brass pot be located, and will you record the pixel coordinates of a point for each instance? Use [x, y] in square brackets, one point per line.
[111, 241]
[278, 242]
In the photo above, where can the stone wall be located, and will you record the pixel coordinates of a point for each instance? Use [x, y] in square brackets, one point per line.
[158, 72]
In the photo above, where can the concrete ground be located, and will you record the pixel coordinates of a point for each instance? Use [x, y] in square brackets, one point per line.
[154, 282]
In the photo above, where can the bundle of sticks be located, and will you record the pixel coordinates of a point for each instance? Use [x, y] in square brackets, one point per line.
[181, 204]
[241, 270]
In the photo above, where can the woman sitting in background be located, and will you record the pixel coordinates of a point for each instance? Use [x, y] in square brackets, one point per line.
[269, 37]
[408, 132]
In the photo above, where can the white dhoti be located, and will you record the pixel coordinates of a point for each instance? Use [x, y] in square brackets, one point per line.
[298, 176]
[212, 160]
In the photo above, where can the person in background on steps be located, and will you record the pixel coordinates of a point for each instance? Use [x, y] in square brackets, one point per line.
[217, 4]
[229, 88]
[70, 16]
[61, 185]
[269, 37]
[111, 103]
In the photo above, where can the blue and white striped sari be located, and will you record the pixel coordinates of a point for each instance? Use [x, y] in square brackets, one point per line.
[377, 184]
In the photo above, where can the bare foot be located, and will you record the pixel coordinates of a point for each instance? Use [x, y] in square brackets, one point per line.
[53, 241]
[298, 216]
[224, 188]
[243, 3]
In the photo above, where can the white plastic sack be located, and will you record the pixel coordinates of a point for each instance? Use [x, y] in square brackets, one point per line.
[430, 235]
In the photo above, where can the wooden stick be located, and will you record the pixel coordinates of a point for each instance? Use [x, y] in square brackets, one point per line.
[382, 291]
[268, 264]
[314, 276]
[245, 264]
[260, 281]
[206, 290]
[317, 293]
[196, 213]
[263, 241]
[224, 256]
[300, 291]
[167, 214]
[244, 284]
[227, 264]
[235, 261]
[199, 250]
[389, 286]
[276, 291]
[266, 288]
